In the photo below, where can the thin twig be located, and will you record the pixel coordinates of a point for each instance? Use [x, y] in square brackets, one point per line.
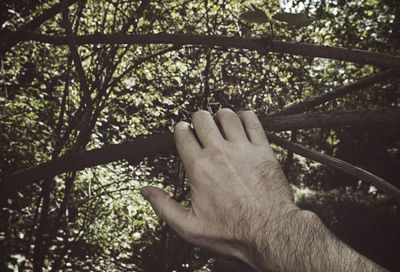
[74, 53]
[338, 164]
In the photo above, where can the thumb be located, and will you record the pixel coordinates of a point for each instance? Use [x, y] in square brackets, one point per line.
[173, 213]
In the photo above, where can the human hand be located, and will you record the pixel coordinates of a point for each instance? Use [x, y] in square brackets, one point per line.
[241, 203]
[237, 186]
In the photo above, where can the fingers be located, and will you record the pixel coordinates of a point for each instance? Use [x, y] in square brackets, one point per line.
[209, 134]
[206, 129]
[231, 125]
[254, 129]
[186, 143]
[173, 213]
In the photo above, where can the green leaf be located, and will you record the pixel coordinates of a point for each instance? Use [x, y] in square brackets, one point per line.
[297, 19]
[254, 15]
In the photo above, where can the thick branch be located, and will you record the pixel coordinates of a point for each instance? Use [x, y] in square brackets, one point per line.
[336, 53]
[337, 164]
[335, 93]
[139, 148]
[135, 150]
[9, 40]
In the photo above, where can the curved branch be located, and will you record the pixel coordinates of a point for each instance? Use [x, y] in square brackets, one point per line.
[336, 53]
[134, 150]
[337, 164]
[142, 147]
[337, 92]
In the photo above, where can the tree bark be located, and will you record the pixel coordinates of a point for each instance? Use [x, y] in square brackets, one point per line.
[335, 53]
[141, 147]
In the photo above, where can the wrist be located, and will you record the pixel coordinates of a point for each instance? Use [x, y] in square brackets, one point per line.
[301, 242]
[289, 242]
[273, 243]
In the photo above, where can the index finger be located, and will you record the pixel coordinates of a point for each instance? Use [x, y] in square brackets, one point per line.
[186, 143]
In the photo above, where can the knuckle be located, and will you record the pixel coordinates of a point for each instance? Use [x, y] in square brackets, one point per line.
[220, 154]
[254, 125]
[203, 164]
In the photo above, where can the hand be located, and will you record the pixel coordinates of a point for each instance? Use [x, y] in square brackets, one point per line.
[238, 190]
[242, 204]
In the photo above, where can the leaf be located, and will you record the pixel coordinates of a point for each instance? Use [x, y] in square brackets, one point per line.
[297, 19]
[254, 15]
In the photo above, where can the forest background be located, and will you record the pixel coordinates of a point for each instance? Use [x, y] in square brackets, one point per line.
[84, 75]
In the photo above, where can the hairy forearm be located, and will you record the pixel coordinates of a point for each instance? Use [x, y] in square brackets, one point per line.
[303, 243]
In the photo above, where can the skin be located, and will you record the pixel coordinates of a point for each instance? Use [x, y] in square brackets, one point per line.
[241, 202]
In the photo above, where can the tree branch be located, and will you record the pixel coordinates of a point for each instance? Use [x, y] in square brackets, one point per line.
[335, 93]
[331, 119]
[338, 165]
[137, 62]
[336, 53]
[141, 147]
[9, 40]
[74, 53]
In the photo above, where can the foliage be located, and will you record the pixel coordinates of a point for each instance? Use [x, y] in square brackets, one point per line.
[95, 219]
[256, 15]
